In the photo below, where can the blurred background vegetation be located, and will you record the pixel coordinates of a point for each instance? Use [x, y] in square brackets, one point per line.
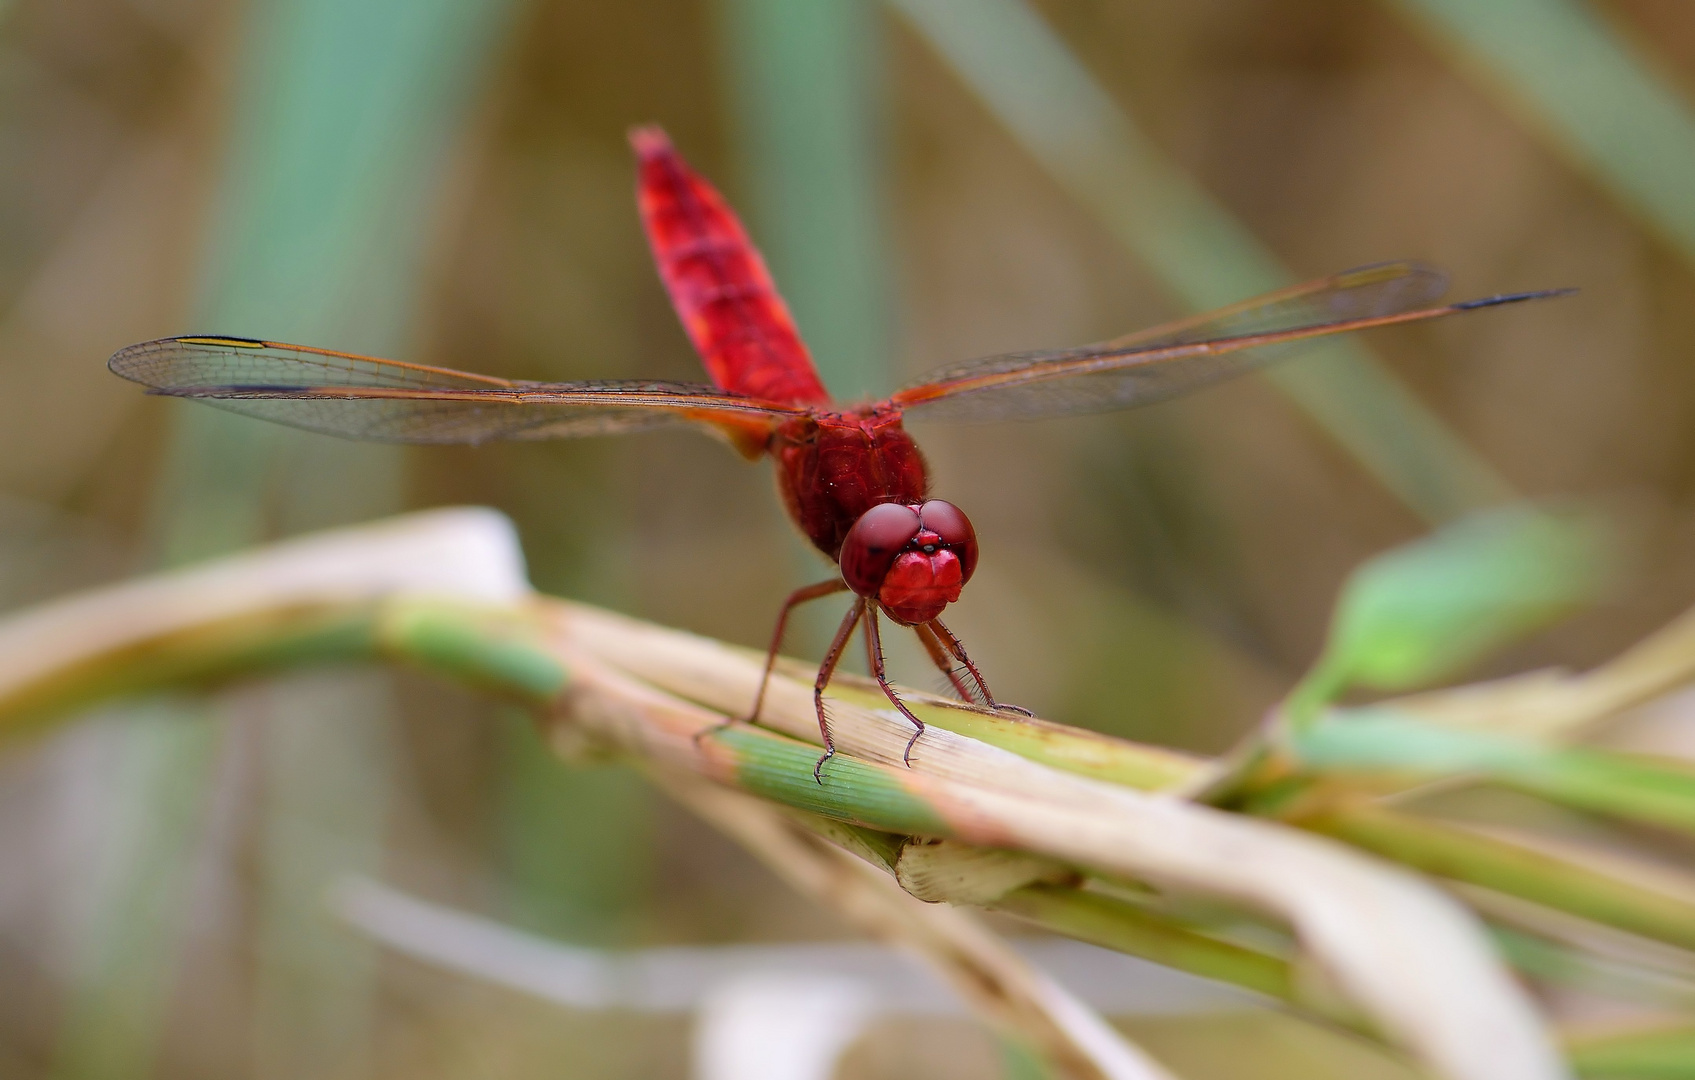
[446, 181]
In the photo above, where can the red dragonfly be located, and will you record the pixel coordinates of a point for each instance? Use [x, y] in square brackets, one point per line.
[852, 479]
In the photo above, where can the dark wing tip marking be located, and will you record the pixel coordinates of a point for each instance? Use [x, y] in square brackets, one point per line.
[1513, 298]
[220, 339]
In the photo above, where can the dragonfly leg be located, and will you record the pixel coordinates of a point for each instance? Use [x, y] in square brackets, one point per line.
[796, 598]
[957, 651]
[827, 669]
[946, 638]
[874, 642]
[945, 663]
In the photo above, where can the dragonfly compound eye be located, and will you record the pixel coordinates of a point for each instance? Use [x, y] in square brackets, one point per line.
[870, 547]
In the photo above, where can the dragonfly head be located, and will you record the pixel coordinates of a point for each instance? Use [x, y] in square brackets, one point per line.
[911, 559]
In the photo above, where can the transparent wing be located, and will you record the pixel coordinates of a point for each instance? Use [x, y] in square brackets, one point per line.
[1162, 363]
[362, 397]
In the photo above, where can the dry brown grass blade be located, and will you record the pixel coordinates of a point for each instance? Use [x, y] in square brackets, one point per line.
[997, 982]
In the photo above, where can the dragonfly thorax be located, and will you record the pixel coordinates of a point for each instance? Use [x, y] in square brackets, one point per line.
[911, 559]
[833, 467]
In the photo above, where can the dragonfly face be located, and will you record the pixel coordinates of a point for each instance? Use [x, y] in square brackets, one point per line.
[911, 559]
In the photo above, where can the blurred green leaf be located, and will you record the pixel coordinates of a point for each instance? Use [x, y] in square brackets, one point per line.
[1648, 790]
[1377, 739]
[1422, 612]
[805, 84]
[343, 119]
[1021, 1062]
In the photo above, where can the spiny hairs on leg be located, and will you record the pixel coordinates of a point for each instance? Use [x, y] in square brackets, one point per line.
[956, 649]
[946, 645]
[829, 744]
[944, 662]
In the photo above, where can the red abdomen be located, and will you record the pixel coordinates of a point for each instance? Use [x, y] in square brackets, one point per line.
[832, 467]
[718, 282]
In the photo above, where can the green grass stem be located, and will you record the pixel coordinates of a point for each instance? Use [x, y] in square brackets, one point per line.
[1116, 924]
[1664, 1054]
[1376, 744]
[1461, 855]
